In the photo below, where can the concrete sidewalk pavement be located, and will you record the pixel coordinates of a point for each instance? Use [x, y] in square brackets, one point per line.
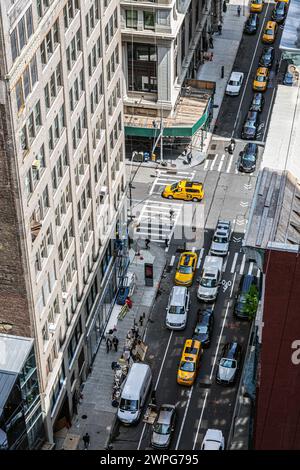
[96, 415]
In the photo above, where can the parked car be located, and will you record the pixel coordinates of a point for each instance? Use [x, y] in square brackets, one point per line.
[204, 327]
[250, 126]
[247, 280]
[270, 31]
[248, 157]
[234, 84]
[229, 364]
[210, 278]
[186, 268]
[164, 427]
[213, 440]
[261, 78]
[288, 79]
[279, 12]
[178, 307]
[221, 238]
[189, 362]
[251, 24]
[257, 102]
[267, 57]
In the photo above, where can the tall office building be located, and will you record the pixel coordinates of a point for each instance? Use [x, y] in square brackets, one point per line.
[62, 185]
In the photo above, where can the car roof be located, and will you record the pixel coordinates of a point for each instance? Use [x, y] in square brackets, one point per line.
[165, 414]
[190, 184]
[187, 258]
[262, 71]
[246, 281]
[257, 95]
[230, 349]
[252, 115]
[190, 350]
[270, 24]
[250, 146]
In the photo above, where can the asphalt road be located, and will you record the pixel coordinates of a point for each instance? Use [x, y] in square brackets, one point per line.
[234, 109]
[228, 194]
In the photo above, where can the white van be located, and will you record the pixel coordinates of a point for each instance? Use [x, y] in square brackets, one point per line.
[210, 278]
[134, 393]
[177, 309]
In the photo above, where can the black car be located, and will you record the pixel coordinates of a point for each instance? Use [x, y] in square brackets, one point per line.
[248, 157]
[250, 126]
[257, 102]
[204, 327]
[251, 24]
[246, 282]
[229, 364]
[267, 57]
[279, 12]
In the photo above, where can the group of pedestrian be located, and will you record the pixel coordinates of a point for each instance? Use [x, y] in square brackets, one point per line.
[111, 341]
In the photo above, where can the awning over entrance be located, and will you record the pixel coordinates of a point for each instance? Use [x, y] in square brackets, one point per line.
[191, 114]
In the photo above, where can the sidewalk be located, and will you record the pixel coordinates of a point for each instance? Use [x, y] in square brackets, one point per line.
[95, 413]
[224, 53]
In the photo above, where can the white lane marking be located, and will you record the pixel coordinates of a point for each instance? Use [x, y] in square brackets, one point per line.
[258, 273]
[250, 68]
[229, 164]
[200, 258]
[172, 260]
[200, 419]
[232, 286]
[219, 341]
[213, 162]
[221, 162]
[157, 382]
[224, 265]
[206, 164]
[243, 264]
[184, 417]
[234, 263]
[250, 268]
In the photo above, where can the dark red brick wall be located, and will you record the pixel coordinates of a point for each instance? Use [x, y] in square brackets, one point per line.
[277, 418]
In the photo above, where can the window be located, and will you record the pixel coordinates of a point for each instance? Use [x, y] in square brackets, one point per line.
[47, 96]
[33, 71]
[19, 94]
[149, 20]
[37, 112]
[22, 33]
[14, 44]
[131, 19]
[29, 23]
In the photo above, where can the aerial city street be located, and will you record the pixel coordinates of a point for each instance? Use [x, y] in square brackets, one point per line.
[150, 225]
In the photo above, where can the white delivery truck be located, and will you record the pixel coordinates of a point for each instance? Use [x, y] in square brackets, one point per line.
[210, 278]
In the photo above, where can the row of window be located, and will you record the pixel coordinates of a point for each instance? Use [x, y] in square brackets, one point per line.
[59, 169]
[78, 129]
[26, 83]
[62, 206]
[21, 33]
[112, 64]
[96, 132]
[46, 289]
[42, 252]
[85, 235]
[31, 128]
[80, 169]
[56, 129]
[69, 274]
[114, 98]
[96, 94]
[64, 245]
[94, 57]
[35, 172]
[114, 135]
[41, 208]
[111, 27]
[70, 11]
[98, 168]
[92, 17]
[52, 88]
[42, 6]
[49, 43]
[132, 19]
[74, 49]
[76, 90]
[84, 200]
[51, 358]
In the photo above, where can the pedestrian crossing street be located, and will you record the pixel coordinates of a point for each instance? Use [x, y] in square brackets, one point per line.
[155, 220]
[221, 162]
[165, 177]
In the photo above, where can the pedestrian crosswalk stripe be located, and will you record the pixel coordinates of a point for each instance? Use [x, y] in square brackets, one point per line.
[206, 164]
[229, 164]
[221, 162]
[224, 266]
[234, 263]
[243, 264]
[213, 162]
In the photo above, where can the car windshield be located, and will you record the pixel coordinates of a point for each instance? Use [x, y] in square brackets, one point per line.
[269, 32]
[207, 282]
[128, 405]
[260, 78]
[259, 2]
[173, 186]
[230, 363]
[250, 125]
[249, 157]
[176, 310]
[201, 329]
[187, 366]
[233, 83]
[242, 298]
[220, 239]
[185, 269]
[161, 428]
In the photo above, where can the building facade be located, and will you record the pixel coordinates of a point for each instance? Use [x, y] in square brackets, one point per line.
[62, 184]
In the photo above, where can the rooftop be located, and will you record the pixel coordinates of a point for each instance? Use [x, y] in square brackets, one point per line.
[275, 213]
[13, 352]
[290, 40]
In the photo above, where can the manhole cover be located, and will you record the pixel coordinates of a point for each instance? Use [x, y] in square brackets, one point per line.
[213, 146]
[83, 416]
[210, 156]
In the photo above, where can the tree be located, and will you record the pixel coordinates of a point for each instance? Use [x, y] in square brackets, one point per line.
[251, 304]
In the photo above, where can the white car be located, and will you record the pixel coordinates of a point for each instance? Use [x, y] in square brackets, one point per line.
[221, 238]
[234, 84]
[213, 440]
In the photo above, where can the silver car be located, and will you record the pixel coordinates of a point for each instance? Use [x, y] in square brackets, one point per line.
[163, 427]
[220, 241]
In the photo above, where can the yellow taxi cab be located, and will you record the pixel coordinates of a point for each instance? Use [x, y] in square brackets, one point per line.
[189, 362]
[186, 268]
[270, 32]
[260, 81]
[186, 190]
[256, 6]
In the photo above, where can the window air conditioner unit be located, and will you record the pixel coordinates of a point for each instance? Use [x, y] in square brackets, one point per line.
[64, 297]
[51, 328]
[36, 164]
